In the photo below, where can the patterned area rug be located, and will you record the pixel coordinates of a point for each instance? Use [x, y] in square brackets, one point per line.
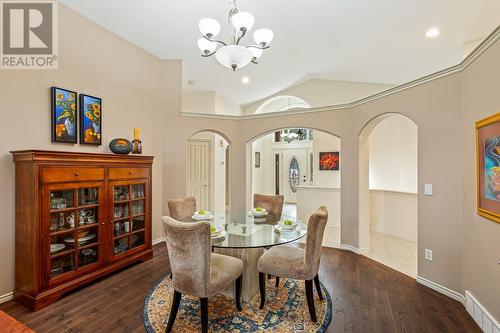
[285, 310]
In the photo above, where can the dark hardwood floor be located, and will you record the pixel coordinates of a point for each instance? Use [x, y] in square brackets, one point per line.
[367, 297]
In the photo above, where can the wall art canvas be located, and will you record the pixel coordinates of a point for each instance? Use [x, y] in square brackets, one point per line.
[488, 167]
[329, 161]
[91, 120]
[64, 120]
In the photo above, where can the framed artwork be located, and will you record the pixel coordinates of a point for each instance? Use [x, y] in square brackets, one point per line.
[329, 161]
[488, 167]
[64, 122]
[90, 120]
[257, 159]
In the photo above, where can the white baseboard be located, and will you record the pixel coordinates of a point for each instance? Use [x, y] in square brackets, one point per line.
[354, 249]
[442, 289]
[7, 297]
[159, 240]
[480, 315]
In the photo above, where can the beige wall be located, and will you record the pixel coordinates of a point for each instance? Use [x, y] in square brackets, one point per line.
[209, 102]
[481, 243]
[137, 91]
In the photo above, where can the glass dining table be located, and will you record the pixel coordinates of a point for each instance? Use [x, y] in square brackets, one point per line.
[242, 235]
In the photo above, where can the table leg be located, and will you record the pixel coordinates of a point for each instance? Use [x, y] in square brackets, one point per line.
[250, 258]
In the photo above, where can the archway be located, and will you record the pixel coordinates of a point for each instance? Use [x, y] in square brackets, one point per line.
[207, 170]
[282, 103]
[388, 191]
[302, 164]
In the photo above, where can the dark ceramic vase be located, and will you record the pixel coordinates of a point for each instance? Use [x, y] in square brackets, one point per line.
[120, 146]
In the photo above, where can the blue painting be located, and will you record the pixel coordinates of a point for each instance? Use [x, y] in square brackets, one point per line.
[492, 168]
[63, 115]
[91, 120]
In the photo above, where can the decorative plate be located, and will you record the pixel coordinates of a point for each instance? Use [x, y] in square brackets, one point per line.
[56, 247]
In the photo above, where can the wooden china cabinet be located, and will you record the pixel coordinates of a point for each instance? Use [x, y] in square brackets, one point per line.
[79, 216]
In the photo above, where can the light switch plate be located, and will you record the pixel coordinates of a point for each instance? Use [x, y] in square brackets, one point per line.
[428, 189]
[428, 254]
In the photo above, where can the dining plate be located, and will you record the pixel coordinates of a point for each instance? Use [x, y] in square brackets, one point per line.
[220, 236]
[257, 214]
[288, 226]
[280, 228]
[56, 247]
[217, 232]
[80, 240]
[202, 217]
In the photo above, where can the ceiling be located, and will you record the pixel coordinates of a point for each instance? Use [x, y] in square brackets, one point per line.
[349, 40]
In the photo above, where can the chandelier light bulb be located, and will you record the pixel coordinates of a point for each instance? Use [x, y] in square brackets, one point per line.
[206, 46]
[209, 27]
[242, 21]
[233, 56]
[263, 36]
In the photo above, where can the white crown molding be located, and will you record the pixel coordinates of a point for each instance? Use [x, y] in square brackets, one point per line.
[441, 289]
[480, 315]
[7, 297]
[478, 51]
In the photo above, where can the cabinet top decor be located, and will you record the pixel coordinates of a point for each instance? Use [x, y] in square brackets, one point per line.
[75, 157]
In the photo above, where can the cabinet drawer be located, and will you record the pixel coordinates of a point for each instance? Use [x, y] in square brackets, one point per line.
[128, 173]
[66, 174]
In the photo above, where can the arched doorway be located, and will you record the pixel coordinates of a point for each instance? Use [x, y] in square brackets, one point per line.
[303, 165]
[388, 191]
[207, 173]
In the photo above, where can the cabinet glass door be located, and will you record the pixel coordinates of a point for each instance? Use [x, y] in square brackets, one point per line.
[129, 216]
[74, 218]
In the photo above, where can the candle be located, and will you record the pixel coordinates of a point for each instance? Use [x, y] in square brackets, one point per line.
[136, 134]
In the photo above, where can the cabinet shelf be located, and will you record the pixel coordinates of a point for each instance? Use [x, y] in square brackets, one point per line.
[62, 210]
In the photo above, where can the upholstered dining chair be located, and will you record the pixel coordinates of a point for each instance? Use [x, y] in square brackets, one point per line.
[196, 271]
[296, 263]
[182, 208]
[272, 203]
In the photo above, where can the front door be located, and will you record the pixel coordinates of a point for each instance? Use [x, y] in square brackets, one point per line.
[198, 173]
[295, 172]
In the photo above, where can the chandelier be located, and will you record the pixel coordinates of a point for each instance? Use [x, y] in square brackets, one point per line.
[233, 55]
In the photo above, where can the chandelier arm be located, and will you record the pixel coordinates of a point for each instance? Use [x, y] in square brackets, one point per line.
[243, 33]
[259, 47]
[208, 55]
[215, 40]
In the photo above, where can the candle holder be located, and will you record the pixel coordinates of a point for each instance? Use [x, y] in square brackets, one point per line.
[137, 144]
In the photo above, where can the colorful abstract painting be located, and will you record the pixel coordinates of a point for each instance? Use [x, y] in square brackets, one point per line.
[492, 168]
[329, 160]
[488, 167]
[91, 120]
[63, 115]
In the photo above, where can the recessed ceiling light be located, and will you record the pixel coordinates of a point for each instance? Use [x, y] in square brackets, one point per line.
[432, 33]
[245, 80]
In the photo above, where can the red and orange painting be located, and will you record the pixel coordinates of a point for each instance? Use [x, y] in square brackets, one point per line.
[329, 160]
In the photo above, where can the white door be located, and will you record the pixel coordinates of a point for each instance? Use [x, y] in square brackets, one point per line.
[198, 173]
[302, 174]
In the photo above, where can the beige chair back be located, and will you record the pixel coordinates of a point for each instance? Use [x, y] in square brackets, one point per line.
[272, 203]
[182, 208]
[314, 240]
[189, 251]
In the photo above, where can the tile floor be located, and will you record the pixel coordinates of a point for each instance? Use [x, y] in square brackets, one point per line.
[394, 252]
[391, 251]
